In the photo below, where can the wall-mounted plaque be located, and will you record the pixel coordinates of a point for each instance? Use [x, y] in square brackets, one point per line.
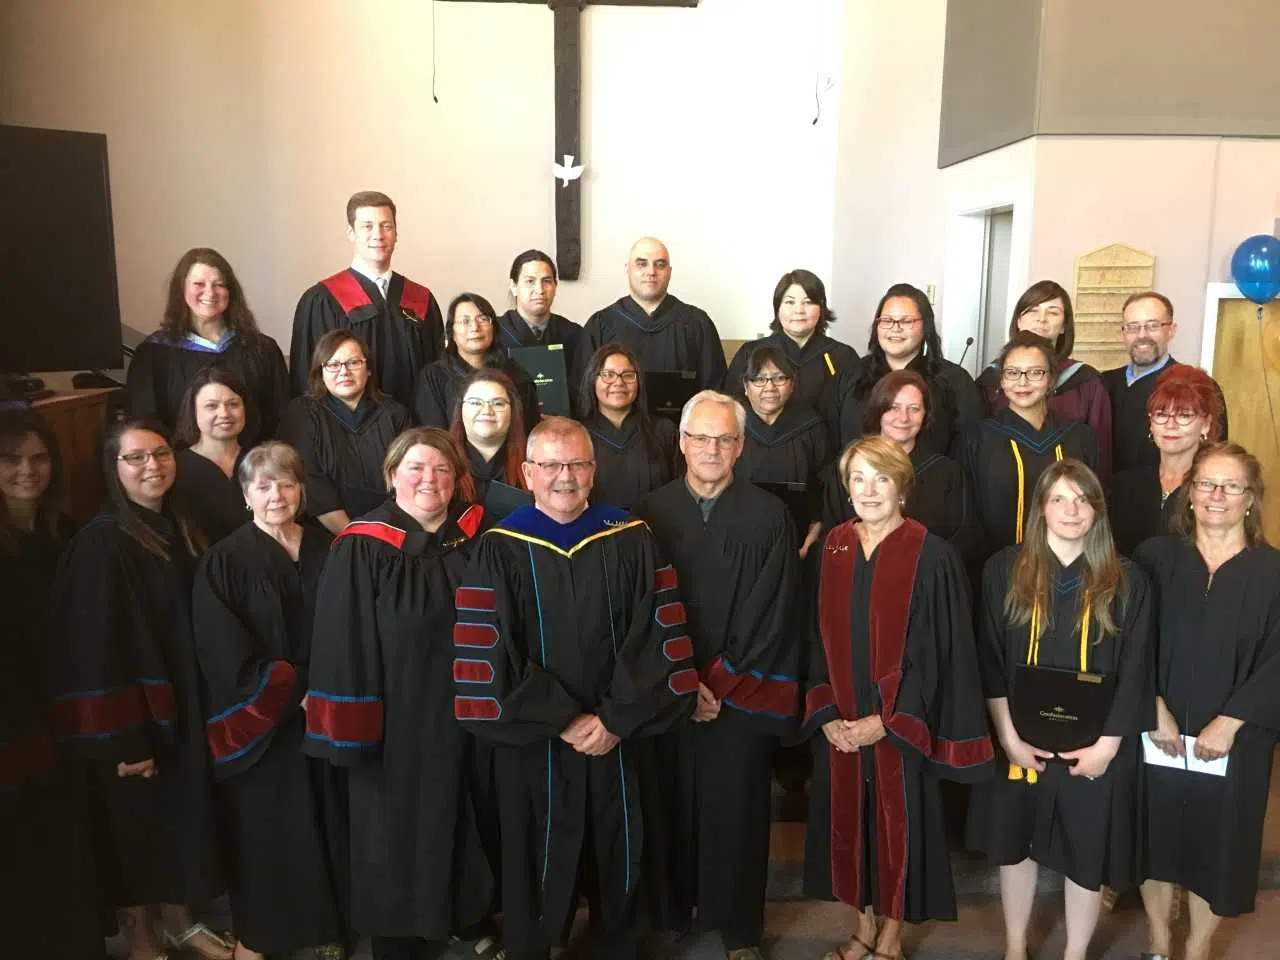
[1104, 280]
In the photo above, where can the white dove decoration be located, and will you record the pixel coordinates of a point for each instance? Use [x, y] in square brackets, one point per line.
[567, 171]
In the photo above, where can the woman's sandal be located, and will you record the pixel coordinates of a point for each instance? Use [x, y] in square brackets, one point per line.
[853, 949]
[184, 942]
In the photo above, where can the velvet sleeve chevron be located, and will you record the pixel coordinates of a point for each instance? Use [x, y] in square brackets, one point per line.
[501, 692]
[344, 703]
[113, 699]
[757, 671]
[655, 683]
[246, 692]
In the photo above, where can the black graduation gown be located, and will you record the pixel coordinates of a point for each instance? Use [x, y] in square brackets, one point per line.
[822, 364]
[50, 906]
[991, 469]
[875, 835]
[1079, 394]
[126, 688]
[343, 450]
[380, 705]
[215, 501]
[485, 472]
[955, 404]
[738, 575]
[436, 389]
[512, 331]
[555, 620]
[252, 607]
[1217, 653]
[626, 469]
[163, 365]
[1138, 508]
[403, 332]
[676, 336]
[939, 499]
[1131, 444]
[1087, 830]
[793, 449]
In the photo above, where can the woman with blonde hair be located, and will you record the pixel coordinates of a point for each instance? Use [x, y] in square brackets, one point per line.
[1063, 608]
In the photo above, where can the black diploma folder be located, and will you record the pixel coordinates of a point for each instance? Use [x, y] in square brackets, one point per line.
[1059, 710]
[669, 391]
[545, 367]
[798, 499]
[502, 499]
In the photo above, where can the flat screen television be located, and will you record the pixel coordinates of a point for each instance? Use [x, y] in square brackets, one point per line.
[59, 299]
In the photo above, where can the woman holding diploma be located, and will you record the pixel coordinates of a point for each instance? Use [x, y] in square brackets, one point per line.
[1063, 611]
[1217, 599]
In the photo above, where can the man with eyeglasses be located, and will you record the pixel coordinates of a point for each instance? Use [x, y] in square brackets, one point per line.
[733, 546]
[571, 651]
[1148, 328]
[398, 320]
[667, 334]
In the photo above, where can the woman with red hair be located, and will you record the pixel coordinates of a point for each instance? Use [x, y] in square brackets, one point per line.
[1184, 411]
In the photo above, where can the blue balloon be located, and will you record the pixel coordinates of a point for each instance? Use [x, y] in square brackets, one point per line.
[1255, 267]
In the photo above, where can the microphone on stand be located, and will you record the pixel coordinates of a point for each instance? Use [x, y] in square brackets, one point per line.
[967, 344]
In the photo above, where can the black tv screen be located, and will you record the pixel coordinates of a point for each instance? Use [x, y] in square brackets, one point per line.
[59, 300]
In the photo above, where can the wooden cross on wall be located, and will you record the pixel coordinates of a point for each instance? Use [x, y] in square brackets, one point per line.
[568, 74]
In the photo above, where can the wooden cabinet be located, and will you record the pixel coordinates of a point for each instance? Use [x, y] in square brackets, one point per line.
[79, 420]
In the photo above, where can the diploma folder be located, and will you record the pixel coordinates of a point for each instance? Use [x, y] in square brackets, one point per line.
[669, 391]
[502, 499]
[545, 367]
[798, 499]
[1059, 710]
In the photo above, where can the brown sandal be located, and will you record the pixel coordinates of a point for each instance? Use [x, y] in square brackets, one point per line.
[853, 949]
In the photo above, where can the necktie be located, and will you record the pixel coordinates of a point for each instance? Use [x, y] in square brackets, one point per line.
[382, 286]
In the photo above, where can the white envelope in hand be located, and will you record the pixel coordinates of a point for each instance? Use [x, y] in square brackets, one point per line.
[1158, 758]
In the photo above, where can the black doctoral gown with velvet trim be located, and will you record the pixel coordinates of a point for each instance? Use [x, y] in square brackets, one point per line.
[342, 450]
[403, 331]
[557, 620]
[252, 607]
[875, 835]
[51, 903]
[1087, 830]
[676, 336]
[626, 469]
[380, 705]
[1217, 654]
[126, 690]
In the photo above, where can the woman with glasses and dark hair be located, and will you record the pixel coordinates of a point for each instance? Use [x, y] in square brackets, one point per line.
[210, 424]
[488, 427]
[128, 695]
[635, 453]
[252, 608]
[530, 322]
[905, 337]
[341, 428]
[207, 320]
[469, 346]
[799, 327]
[1079, 392]
[1064, 601]
[381, 703]
[1184, 411]
[50, 906]
[1217, 601]
[1005, 454]
[784, 441]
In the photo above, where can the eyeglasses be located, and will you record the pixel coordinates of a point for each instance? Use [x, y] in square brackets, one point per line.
[612, 376]
[1181, 417]
[1031, 375]
[1150, 326]
[136, 458]
[1232, 488]
[897, 323]
[553, 468]
[333, 366]
[700, 441]
[777, 379]
[479, 320]
[475, 404]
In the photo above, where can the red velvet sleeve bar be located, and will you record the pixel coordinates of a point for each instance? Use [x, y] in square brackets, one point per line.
[236, 731]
